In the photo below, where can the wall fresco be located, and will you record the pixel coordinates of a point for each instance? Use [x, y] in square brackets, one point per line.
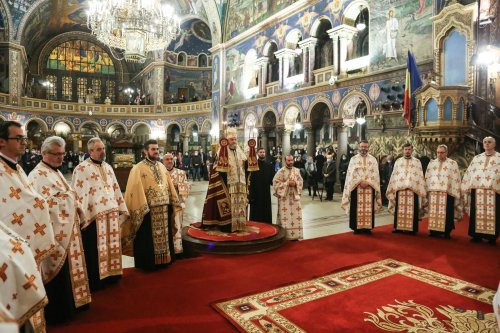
[195, 38]
[243, 14]
[189, 83]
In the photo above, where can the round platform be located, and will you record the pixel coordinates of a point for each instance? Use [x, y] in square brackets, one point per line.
[203, 244]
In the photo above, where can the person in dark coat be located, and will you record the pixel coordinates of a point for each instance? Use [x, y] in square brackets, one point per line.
[329, 174]
[259, 196]
[343, 165]
[385, 176]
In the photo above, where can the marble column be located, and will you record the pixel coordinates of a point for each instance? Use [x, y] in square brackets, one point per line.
[341, 144]
[203, 141]
[344, 33]
[16, 64]
[312, 61]
[263, 140]
[185, 143]
[311, 147]
[285, 144]
[261, 65]
[308, 47]
[77, 142]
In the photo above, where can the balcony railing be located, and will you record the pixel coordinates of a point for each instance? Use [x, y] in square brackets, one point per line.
[71, 107]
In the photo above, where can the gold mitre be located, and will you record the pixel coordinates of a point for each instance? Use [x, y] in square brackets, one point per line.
[231, 133]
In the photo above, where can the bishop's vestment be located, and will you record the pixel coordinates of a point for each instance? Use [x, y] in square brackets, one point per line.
[289, 208]
[102, 203]
[362, 203]
[182, 187]
[152, 200]
[443, 190]
[64, 272]
[481, 196]
[406, 193]
[24, 210]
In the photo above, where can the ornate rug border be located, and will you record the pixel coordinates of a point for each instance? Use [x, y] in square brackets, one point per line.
[239, 310]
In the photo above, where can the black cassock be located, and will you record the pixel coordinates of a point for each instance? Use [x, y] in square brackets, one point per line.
[259, 196]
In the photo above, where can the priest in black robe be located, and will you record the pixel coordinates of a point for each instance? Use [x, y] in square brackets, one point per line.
[259, 195]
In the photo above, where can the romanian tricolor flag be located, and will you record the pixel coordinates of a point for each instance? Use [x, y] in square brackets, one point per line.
[413, 82]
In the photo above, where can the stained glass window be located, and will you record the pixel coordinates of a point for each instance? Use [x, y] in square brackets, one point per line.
[110, 89]
[80, 56]
[66, 88]
[52, 87]
[82, 88]
[96, 88]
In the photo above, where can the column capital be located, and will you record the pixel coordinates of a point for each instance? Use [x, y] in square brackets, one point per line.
[342, 31]
[308, 42]
[262, 61]
[285, 53]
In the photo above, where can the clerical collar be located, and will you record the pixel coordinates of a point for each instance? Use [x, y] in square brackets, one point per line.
[289, 168]
[485, 153]
[150, 161]
[172, 168]
[95, 161]
[408, 158]
[50, 166]
[11, 163]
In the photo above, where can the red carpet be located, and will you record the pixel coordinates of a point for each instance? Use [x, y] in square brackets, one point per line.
[178, 298]
[365, 299]
[253, 231]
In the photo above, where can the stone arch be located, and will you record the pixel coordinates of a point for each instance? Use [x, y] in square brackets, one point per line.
[352, 11]
[168, 128]
[189, 127]
[9, 24]
[268, 45]
[116, 122]
[139, 123]
[261, 122]
[316, 24]
[290, 115]
[40, 122]
[182, 62]
[324, 100]
[63, 120]
[249, 124]
[285, 110]
[206, 126]
[363, 98]
[93, 122]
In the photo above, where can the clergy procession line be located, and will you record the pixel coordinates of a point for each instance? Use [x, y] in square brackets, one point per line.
[60, 242]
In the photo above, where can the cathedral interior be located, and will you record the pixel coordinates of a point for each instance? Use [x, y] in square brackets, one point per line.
[292, 74]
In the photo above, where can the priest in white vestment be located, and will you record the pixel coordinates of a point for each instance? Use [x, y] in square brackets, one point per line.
[19, 276]
[64, 273]
[22, 209]
[362, 197]
[103, 207]
[287, 187]
[443, 194]
[481, 193]
[406, 192]
[182, 187]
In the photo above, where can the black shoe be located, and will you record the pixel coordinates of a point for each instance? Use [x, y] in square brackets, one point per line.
[395, 231]
[475, 240]
[356, 232]
[368, 231]
[413, 233]
[492, 242]
[447, 236]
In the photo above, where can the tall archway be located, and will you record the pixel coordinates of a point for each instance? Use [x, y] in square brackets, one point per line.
[141, 133]
[324, 46]
[117, 132]
[321, 127]
[35, 129]
[268, 138]
[174, 142]
[273, 62]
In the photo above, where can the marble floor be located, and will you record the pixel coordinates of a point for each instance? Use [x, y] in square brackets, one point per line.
[319, 218]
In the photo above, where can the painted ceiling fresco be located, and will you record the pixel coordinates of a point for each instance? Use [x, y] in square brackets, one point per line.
[195, 38]
[243, 14]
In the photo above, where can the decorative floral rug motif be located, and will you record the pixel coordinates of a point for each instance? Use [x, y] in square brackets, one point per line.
[365, 299]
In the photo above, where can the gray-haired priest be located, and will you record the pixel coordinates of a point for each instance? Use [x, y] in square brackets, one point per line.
[406, 192]
[64, 272]
[102, 202]
[443, 190]
[362, 197]
[481, 193]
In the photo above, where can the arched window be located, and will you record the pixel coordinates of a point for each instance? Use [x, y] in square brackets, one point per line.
[273, 65]
[77, 69]
[454, 59]
[181, 59]
[460, 110]
[448, 109]
[431, 110]
[202, 60]
[324, 47]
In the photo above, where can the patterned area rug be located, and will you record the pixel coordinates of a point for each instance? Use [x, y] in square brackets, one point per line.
[253, 231]
[386, 296]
